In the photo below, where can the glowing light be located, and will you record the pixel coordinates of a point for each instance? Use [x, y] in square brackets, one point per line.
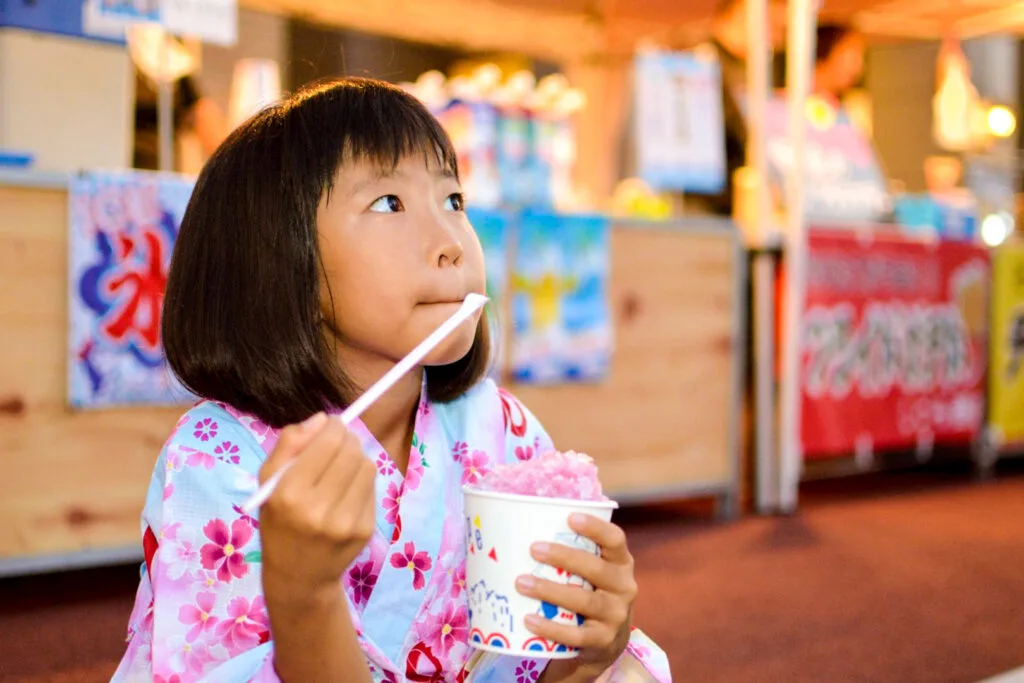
[1001, 121]
[820, 113]
[995, 228]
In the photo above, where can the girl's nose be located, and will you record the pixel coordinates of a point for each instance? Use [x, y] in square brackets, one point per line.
[448, 249]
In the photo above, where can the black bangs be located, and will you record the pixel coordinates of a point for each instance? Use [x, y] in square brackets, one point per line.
[370, 121]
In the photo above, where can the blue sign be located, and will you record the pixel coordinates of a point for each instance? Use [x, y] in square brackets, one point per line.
[75, 18]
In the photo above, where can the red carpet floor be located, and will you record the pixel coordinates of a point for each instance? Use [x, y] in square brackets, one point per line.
[908, 578]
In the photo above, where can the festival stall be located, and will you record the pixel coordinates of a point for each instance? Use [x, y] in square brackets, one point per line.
[884, 333]
[623, 334]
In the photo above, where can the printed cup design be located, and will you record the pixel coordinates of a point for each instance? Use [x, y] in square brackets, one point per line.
[500, 528]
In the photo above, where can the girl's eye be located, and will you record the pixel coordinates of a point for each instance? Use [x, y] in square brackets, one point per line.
[389, 203]
[455, 202]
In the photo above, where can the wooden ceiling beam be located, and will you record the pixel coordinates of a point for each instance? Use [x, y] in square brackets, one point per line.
[472, 25]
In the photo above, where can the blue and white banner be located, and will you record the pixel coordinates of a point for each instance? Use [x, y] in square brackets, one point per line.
[679, 125]
[122, 230]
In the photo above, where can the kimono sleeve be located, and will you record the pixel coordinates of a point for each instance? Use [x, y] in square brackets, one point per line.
[643, 660]
[199, 613]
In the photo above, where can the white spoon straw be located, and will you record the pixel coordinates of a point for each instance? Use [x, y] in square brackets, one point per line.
[471, 304]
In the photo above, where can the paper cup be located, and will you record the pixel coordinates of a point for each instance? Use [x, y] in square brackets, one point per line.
[500, 528]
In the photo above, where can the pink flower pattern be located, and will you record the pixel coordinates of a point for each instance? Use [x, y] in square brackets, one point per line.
[188, 659]
[227, 452]
[392, 501]
[200, 459]
[417, 562]
[176, 557]
[414, 472]
[198, 617]
[459, 451]
[445, 629]
[524, 453]
[458, 581]
[224, 554]
[206, 429]
[360, 580]
[245, 625]
[527, 672]
[474, 466]
[385, 465]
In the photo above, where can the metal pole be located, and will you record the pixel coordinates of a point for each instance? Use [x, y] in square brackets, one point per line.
[799, 59]
[763, 264]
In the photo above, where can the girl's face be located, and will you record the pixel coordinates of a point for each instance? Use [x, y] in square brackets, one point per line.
[398, 257]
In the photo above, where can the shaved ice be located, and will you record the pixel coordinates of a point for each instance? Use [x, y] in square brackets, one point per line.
[553, 474]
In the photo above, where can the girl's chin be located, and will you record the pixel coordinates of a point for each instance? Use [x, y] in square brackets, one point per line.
[453, 349]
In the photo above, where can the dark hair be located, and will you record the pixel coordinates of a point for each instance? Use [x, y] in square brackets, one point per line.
[241, 318]
[828, 38]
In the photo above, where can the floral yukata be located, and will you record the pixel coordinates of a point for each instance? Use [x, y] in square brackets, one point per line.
[199, 612]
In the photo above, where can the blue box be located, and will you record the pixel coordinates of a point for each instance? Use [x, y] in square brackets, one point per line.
[948, 217]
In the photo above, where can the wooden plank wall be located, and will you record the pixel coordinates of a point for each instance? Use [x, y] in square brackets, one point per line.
[74, 481]
[663, 419]
[68, 481]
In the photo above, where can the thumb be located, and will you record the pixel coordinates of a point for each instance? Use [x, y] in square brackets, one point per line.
[293, 439]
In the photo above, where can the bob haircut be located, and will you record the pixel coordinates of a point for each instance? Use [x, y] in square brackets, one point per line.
[241, 318]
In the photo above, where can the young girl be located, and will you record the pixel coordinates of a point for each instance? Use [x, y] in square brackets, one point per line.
[324, 240]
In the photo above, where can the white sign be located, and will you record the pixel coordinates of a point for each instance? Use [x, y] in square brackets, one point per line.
[211, 21]
[680, 134]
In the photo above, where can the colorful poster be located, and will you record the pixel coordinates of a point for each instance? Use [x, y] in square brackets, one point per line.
[846, 183]
[561, 322]
[1006, 371]
[894, 343]
[122, 228]
[493, 228]
[678, 122]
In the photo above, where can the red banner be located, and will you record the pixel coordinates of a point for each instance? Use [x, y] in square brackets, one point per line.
[894, 343]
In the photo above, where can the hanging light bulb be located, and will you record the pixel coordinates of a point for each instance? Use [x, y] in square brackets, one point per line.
[1002, 122]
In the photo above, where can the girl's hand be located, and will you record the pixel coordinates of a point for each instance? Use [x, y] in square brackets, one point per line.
[607, 609]
[321, 515]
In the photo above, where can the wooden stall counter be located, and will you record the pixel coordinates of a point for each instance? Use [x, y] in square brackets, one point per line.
[71, 483]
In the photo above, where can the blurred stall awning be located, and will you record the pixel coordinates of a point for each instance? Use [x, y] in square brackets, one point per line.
[578, 29]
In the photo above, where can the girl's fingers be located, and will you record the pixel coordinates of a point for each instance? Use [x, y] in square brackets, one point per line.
[609, 537]
[352, 512]
[591, 635]
[293, 439]
[597, 605]
[318, 455]
[588, 566]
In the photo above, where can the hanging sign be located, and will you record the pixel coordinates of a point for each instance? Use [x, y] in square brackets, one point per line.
[680, 130]
[211, 21]
[1006, 373]
[894, 343]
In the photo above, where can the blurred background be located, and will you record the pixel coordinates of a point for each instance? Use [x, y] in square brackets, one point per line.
[760, 259]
